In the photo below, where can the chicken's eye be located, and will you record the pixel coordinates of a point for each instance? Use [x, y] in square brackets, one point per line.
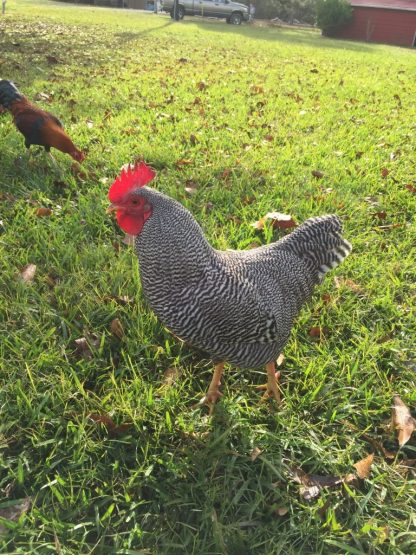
[135, 201]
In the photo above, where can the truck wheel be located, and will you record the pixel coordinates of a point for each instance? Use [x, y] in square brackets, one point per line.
[236, 19]
[181, 12]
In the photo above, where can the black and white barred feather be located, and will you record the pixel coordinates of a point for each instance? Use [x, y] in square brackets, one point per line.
[238, 306]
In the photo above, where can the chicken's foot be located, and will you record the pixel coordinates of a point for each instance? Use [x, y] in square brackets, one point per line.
[213, 393]
[272, 386]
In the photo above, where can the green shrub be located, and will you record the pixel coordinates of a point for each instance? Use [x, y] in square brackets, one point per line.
[333, 14]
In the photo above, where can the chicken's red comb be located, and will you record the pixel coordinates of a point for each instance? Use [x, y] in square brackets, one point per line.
[130, 179]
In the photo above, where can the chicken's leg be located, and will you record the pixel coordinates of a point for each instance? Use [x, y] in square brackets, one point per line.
[213, 392]
[272, 386]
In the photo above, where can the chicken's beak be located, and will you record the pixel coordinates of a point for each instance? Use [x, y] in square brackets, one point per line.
[112, 208]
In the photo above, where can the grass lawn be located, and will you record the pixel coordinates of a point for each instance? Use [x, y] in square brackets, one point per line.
[100, 433]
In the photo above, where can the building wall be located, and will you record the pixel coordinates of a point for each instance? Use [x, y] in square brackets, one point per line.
[381, 25]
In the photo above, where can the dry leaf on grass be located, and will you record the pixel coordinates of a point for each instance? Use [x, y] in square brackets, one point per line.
[84, 347]
[316, 332]
[256, 452]
[27, 273]
[410, 188]
[256, 89]
[116, 328]
[281, 511]
[312, 484]
[12, 510]
[402, 420]
[108, 423]
[349, 283]
[43, 211]
[277, 221]
[191, 187]
[122, 300]
[382, 215]
[388, 227]
[363, 467]
[318, 174]
[171, 375]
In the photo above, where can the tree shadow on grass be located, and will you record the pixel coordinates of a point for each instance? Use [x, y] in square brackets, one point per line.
[128, 36]
[306, 37]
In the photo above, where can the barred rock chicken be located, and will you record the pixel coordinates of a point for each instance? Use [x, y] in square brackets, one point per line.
[37, 126]
[239, 306]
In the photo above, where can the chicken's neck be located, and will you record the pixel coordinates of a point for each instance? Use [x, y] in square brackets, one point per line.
[172, 250]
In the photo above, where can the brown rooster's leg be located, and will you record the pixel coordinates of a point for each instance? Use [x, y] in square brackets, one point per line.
[54, 162]
[272, 386]
[213, 392]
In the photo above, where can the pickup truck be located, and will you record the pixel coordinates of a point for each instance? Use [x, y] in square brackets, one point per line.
[233, 12]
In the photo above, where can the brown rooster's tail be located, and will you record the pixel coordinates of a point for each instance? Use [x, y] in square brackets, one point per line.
[8, 93]
[319, 241]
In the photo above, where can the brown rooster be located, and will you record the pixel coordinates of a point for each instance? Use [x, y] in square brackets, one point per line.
[239, 306]
[37, 126]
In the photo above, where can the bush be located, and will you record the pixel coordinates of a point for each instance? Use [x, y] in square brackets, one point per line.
[333, 14]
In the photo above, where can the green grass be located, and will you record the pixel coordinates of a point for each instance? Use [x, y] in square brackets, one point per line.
[277, 105]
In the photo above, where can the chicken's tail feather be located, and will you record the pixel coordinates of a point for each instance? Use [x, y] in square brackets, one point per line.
[320, 242]
[9, 93]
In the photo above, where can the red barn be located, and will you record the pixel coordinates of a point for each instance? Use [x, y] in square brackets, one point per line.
[388, 21]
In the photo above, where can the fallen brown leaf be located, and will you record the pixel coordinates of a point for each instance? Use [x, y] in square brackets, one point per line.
[122, 300]
[28, 273]
[384, 172]
[349, 283]
[312, 484]
[171, 375]
[410, 188]
[388, 227]
[108, 423]
[116, 328]
[281, 511]
[183, 162]
[191, 187]
[380, 215]
[201, 86]
[317, 332]
[256, 452]
[402, 420]
[43, 211]
[277, 221]
[52, 59]
[363, 467]
[256, 89]
[318, 174]
[43, 96]
[84, 346]
[13, 511]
